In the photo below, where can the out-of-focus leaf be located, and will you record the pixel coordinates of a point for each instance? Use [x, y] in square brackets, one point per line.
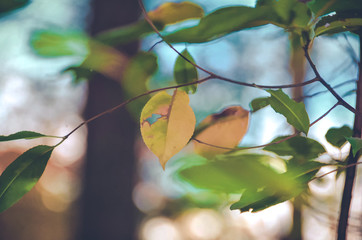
[337, 136]
[23, 135]
[184, 72]
[303, 172]
[356, 144]
[221, 22]
[128, 33]
[165, 14]
[297, 146]
[233, 173]
[259, 103]
[10, 5]
[22, 174]
[79, 73]
[135, 78]
[322, 7]
[55, 43]
[170, 12]
[338, 25]
[167, 124]
[104, 59]
[294, 112]
[225, 129]
[257, 201]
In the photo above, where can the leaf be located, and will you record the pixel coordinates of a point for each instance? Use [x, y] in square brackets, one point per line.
[259, 103]
[225, 129]
[294, 112]
[221, 22]
[135, 79]
[165, 14]
[22, 174]
[128, 33]
[167, 124]
[337, 26]
[260, 200]
[356, 144]
[23, 135]
[297, 146]
[184, 72]
[170, 12]
[233, 173]
[57, 43]
[337, 136]
[10, 5]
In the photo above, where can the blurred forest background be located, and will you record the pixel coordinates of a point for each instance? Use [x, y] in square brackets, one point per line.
[103, 183]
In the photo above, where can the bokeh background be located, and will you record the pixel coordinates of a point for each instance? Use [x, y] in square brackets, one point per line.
[103, 183]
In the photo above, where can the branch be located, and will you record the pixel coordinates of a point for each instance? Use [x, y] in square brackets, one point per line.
[335, 170]
[321, 80]
[212, 74]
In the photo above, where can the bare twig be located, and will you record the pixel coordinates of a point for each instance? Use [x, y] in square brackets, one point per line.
[321, 80]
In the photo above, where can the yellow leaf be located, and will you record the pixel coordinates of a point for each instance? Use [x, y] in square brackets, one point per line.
[167, 124]
[225, 129]
[170, 13]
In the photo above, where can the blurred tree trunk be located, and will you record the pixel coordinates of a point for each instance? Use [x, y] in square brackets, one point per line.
[107, 210]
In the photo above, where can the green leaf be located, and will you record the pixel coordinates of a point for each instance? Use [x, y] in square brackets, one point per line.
[297, 146]
[233, 173]
[135, 79]
[128, 33]
[184, 72]
[165, 14]
[22, 174]
[260, 200]
[57, 43]
[337, 136]
[356, 144]
[259, 103]
[333, 26]
[10, 5]
[221, 22]
[23, 135]
[294, 112]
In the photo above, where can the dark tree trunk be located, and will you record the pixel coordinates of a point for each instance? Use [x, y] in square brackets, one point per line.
[107, 211]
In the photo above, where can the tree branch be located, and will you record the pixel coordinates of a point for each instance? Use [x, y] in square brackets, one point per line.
[322, 81]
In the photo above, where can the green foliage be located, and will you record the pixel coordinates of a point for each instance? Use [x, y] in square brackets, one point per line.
[22, 174]
[221, 22]
[184, 72]
[337, 136]
[168, 122]
[57, 43]
[259, 103]
[297, 146]
[135, 79]
[294, 112]
[23, 135]
[356, 144]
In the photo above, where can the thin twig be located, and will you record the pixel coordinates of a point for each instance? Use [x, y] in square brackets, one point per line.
[154, 45]
[335, 170]
[321, 80]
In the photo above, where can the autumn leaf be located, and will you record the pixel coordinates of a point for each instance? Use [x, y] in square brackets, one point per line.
[225, 129]
[167, 124]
